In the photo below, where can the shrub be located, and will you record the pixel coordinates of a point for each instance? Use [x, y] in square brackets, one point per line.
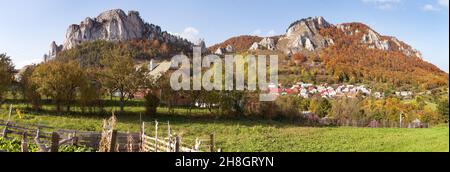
[429, 116]
[443, 108]
[347, 108]
[151, 104]
[15, 146]
[6, 74]
[320, 106]
[288, 106]
[268, 110]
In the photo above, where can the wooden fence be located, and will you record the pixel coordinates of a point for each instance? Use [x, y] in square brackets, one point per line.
[170, 142]
[50, 139]
[370, 123]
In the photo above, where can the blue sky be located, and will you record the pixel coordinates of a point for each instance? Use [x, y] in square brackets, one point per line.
[28, 26]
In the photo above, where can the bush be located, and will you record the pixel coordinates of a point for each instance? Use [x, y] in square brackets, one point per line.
[6, 74]
[15, 146]
[429, 116]
[320, 106]
[443, 108]
[288, 106]
[151, 104]
[347, 108]
[267, 110]
[29, 90]
[69, 148]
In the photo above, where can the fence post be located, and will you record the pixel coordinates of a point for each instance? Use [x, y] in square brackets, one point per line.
[24, 144]
[401, 120]
[117, 148]
[112, 145]
[10, 112]
[5, 130]
[130, 142]
[142, 137]
[156, 136]
[74, 139]
[169, 136]
[55, 142]
[177, 144]
[211, 136]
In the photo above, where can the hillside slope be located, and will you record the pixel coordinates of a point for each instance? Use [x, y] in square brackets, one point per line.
[239, 43]
[344, 53]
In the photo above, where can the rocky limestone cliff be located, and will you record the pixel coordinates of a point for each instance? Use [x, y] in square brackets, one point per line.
[307, 36]
[54, 49]
[222, 51]
[266, 43]
[201, 43]
[376, 41]
[304, 35]
[114, 25]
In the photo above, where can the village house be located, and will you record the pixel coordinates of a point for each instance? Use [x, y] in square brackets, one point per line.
[404, 94]
[308, 90]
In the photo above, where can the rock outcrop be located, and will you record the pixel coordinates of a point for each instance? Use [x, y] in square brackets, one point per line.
[222, 51]
[309, 26]
[54, 49]
[201, 43]
[219, 51]
[304, 35]
[229, 49]
[376, 41]
[255, 46]
[115, 25]
[265, 44]
[268, 43]
[406, 49]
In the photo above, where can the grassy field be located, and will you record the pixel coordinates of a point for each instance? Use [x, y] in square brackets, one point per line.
[250, 135]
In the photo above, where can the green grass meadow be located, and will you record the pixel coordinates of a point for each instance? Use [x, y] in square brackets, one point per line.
[251, 135]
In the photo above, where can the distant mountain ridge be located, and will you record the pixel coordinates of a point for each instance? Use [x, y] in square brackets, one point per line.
[305, 36]
[113, 25]
[311, 49]
[319, 51]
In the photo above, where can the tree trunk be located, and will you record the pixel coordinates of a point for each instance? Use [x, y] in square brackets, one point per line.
[58, 107]
[122, 99]
[190, 108]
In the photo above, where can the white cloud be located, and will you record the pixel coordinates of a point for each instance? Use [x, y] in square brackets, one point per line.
[271, 33]
[383, 4]
[259, 32]
[435, 7]
[190, 33]
[443, 3]
[382, 1]
[256, 32]
[429, 7]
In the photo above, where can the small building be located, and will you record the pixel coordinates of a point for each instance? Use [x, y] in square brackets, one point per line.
[416, 124]
[374, 124]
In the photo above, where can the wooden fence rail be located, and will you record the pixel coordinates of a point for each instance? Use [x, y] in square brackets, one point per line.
[49, 139]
